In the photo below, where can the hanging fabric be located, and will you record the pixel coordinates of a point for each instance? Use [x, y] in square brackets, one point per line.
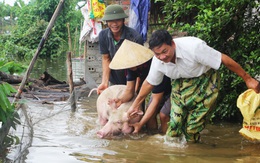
[138, 17]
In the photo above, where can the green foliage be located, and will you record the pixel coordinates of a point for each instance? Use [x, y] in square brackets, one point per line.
[32, 37]
[232, 27]
[32, 21]
[10, 140]
[6, 108]
[10, 51]
[5, 9]
[12, 67]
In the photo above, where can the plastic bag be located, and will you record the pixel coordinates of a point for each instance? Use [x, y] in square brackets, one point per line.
[96, 29]
[97, 9]
[249, 105]
[91, 27]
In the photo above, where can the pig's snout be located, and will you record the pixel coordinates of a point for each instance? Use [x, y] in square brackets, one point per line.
[112, 129]
[101, 134]
[108, 130]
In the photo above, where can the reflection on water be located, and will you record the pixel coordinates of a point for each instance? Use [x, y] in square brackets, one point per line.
[62, 136]
[56, 67]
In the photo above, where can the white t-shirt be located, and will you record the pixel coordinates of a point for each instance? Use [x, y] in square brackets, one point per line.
[193, 58]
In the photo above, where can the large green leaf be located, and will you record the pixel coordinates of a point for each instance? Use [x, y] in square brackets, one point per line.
[3, 99]
[9, 88]
[13, 67]
[2, 116]
[6, 109]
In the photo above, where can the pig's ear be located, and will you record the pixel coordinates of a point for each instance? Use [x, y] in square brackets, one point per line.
[139, 112]
[136, 113]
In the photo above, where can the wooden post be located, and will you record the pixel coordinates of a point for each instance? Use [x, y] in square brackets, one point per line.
[71, 84]
[75, 43]
[69, 38]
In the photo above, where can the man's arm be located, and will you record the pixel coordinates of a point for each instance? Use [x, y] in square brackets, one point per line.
[144, 91]
[150, 111]
[251, 83]
[106, 73]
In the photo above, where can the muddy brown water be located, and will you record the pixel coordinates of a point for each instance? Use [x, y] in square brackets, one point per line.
[58, 135]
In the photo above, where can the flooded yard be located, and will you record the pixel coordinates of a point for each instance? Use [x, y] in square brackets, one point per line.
[56, 134]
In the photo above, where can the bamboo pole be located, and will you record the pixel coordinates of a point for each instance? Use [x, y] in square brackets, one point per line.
[71, 84]
[44, 38]
[69, 39]
[75, 42]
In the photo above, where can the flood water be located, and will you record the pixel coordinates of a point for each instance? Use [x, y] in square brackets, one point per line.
[62, 136]
[51, 66]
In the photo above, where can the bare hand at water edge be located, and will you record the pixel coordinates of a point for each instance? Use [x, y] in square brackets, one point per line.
[137, 127]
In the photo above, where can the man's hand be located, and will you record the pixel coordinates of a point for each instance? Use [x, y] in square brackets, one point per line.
[101, 88]
[137, 127]
[130, 112]
[134, 112]
[252, 83]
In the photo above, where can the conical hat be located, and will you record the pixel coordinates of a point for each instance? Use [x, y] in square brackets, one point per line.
[130, 54]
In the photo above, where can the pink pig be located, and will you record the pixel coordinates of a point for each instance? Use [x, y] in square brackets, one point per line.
[114, 120]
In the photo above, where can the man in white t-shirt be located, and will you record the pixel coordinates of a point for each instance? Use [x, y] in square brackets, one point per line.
[192, 65]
